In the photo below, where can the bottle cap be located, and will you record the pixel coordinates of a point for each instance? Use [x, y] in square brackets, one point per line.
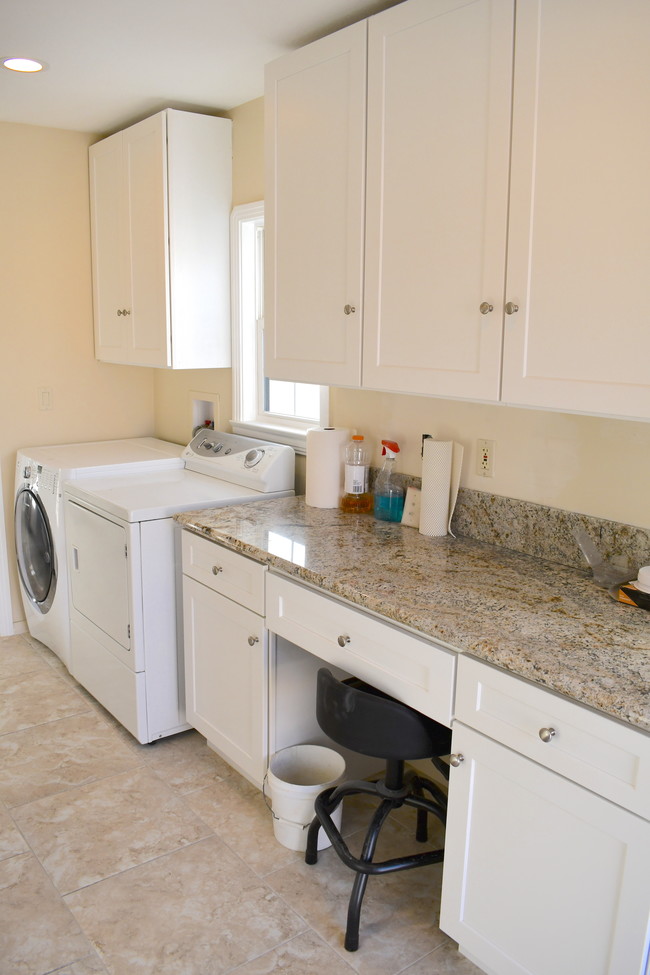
[357, 436]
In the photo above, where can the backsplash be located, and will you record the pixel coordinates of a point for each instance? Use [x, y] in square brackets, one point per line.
[541, 531]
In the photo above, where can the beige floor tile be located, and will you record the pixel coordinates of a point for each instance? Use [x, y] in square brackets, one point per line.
[305, 955]
[91, 965]
[11, 839]
[36, 698]
[185, 762]
[37, 931]
[92, 832]
[236, 811]
[60, 755]
[445, 960]
[198, 911]
[18, 657]
[399, 917]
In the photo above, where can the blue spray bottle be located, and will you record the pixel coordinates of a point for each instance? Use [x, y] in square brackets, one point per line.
[389, 495]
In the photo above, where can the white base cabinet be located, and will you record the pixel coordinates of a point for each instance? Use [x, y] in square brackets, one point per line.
[542, 876]
[160, 198]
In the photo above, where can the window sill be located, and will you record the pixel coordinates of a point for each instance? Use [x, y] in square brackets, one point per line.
[276, 434]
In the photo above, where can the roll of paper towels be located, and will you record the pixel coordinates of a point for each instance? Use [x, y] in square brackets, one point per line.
[324, 472]
[441, 465]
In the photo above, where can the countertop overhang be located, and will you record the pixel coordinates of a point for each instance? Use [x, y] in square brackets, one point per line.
[543, 621]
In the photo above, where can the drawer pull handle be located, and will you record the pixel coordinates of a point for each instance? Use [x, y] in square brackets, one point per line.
[546, 734]
[456, 760]
[252, 640]
[343, 640]
[216, 569]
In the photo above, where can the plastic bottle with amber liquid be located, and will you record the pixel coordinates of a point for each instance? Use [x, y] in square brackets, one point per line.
[356, 496]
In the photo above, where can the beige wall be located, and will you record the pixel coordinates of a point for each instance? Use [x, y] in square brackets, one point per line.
[176, 391]
[46, 312]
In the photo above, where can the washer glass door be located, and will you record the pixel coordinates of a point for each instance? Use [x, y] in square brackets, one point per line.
[35, 550]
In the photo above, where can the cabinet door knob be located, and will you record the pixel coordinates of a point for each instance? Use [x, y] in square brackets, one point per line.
[123, 311]
[456, 760]
[349, 309]
[343, 640]
[511, 308]
[252, 640]
[216, 569]
[546, 734]
[485, 308]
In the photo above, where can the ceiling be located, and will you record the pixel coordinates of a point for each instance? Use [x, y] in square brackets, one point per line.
[113, 62]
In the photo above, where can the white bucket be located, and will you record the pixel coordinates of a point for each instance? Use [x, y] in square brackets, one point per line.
[296, 775]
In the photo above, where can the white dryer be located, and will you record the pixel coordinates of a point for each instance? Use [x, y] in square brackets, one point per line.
[125, 571]
[38, 521]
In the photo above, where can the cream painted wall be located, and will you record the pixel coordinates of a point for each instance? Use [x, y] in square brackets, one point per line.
[597, 466]
[176, 391]
[46, 313]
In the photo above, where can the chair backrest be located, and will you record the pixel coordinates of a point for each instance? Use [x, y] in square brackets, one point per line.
[364, 719]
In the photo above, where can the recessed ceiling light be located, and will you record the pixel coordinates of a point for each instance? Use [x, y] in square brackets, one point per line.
[27, 65]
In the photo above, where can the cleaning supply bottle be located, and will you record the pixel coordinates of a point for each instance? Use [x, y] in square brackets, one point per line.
[389, 495]
[356, 496]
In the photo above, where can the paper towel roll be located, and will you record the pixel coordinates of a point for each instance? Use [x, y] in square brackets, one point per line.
[441, 465]
[324, 471]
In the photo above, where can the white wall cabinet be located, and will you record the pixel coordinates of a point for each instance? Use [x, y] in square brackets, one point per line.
[542, 875]
[226, 654]
[160, 196]
[494, 269]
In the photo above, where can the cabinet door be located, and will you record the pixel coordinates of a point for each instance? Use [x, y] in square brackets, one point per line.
[145, 161]
[111, 288]
[226, 677]
[541, 876]
[315, 138]
[439, 96]
[579, 239]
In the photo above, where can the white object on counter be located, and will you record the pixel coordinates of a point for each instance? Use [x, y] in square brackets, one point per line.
[324, 471]
[441, 465]
[643, 580]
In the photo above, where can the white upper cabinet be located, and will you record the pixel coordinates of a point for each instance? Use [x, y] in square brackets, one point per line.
[507, 229]
[439, 84]
[579, 239]
[160, 208]
[315, 174]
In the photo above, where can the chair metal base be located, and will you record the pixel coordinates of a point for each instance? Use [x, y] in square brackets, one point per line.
[404, 790]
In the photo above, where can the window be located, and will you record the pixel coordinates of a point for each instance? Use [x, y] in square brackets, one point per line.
[262, 407]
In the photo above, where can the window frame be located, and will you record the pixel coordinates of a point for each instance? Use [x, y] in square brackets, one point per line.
[248, 418]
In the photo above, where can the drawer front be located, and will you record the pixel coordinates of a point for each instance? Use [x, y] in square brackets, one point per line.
[224, 571]
[607, 757]
[414, 671]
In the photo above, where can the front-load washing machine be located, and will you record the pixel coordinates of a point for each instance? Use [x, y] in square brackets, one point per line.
[39, 513]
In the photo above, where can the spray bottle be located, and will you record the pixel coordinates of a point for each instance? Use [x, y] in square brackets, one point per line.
[389, 495]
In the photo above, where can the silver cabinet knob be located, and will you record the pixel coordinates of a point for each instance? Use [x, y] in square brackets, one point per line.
[485, 308]
[343, 640]
[349, 309]
[546, 734]
[216, 569]
[456, 760]
[511, 308]
[252, 640]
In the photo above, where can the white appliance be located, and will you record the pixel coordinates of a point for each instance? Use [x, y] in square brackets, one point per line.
[125, 571]
[38, 521]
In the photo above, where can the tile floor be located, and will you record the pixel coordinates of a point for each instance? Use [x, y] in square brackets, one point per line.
[160, 859]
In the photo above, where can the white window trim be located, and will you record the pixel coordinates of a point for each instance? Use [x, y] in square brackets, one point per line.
[293, 432]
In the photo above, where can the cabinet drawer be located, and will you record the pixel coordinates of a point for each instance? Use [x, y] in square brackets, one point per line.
[414, 671]
[226, 572]
[607, 757]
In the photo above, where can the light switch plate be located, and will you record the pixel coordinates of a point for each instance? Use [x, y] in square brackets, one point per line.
[411, 513]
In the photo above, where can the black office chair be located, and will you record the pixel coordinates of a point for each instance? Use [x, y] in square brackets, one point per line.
[365, 720]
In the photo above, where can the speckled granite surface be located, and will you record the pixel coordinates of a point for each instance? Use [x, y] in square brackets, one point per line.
[541, 620]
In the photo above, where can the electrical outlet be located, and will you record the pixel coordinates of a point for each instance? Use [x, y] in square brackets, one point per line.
[485, 458]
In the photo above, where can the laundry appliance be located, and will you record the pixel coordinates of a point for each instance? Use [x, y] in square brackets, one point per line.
[38, 521]
[124, 564]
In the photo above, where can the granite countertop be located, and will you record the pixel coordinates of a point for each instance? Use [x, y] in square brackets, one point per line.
[541, 620]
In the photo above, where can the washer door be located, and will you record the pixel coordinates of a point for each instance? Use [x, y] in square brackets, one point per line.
[35, 550]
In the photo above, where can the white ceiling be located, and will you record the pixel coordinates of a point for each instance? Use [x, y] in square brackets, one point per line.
[112, 62]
